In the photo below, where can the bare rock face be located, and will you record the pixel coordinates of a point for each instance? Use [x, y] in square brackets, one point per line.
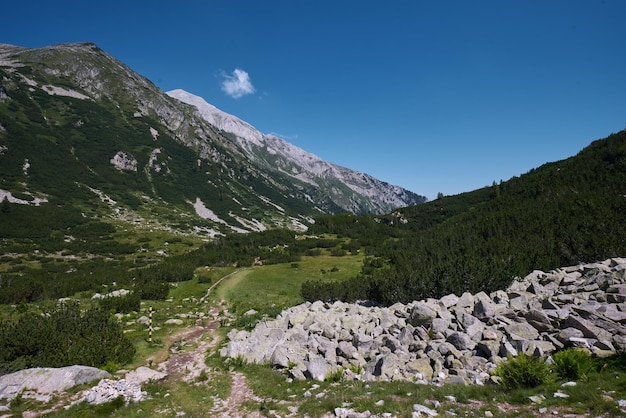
[459, 339]
[124, 161]
[42, 383]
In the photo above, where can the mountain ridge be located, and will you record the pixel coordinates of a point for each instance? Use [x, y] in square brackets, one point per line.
[313, 169]
[114, 133]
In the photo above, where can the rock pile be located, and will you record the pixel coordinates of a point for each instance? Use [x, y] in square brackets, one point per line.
[455, 339]
[129, 388]
[108, 390]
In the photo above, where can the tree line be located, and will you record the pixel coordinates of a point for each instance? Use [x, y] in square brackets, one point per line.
[560, 214]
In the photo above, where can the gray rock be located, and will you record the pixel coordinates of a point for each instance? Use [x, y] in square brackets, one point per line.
[351, 413]
[539, 320]
[421, 366]
[461, 341]
[47, 381]
[143, 375]
[484, 307]
[488, 348]
[347, 350]
[521, 330]
[565, 334]
[422, 315]
[421, 409]
[317, 368]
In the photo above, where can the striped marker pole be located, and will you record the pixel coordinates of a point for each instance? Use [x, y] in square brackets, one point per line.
[150, 325]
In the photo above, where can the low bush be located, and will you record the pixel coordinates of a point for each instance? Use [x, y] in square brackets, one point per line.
[523, 371]
[572, 364]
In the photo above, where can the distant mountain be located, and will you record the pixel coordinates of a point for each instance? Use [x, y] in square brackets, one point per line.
[80, 129]
[364, 194]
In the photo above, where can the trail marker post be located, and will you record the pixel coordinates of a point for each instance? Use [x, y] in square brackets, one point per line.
[150, 325]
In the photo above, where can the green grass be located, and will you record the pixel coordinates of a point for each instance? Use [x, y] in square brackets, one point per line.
[278, 285]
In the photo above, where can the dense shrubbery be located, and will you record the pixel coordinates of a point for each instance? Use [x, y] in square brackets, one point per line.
[121, 304]
[63, 337]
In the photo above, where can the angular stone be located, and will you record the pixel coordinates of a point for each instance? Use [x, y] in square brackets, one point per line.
[347, 350]
[317, 368]
[566, 334]
[466, 301]
[518, 301]
[279, 357]
[475, 331]
[587, 343]
[47, 381]
[484, 307]
[488, 348]
[388, 365]
[521, 330]
[539, 348]
[492, 334]
[448, 349]
[615, 315]
[549, 304]
[422, 366]
[422, 315]
[507, 349]
[461, 341]
[449, 300]
[421, 409]
[439, 325]
[588, 329]
[539, 320]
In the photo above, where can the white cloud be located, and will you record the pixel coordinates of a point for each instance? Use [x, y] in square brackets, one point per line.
[238, 84]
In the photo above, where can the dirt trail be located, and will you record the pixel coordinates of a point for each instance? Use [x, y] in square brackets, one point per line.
[187, 364]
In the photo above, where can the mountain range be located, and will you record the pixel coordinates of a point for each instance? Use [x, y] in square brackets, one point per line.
[80, 129]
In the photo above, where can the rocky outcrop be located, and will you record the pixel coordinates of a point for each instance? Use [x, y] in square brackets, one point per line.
[42, 383]
[453, 339]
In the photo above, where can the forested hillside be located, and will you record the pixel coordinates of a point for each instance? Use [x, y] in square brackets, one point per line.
[562, 213]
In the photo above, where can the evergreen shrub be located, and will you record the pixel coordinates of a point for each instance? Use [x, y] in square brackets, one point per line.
[523, 371]
[573, 364]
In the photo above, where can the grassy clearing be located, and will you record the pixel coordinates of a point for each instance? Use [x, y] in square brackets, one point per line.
[278, 285]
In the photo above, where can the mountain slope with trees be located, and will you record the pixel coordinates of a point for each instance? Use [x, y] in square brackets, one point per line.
[562, 213]
[82, 131]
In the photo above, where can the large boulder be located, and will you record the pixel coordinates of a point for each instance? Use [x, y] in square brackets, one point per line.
[422, 315]
[41, 383]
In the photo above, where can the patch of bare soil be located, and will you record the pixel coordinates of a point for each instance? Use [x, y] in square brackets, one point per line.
[232, 407]
[186, 364]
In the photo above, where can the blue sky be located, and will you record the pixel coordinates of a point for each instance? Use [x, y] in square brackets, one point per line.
[435, 96]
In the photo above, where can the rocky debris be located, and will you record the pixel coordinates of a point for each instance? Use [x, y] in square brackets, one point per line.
[453, 339]
[124, 161]
[108, 390]
[42, 383]
[114, 294]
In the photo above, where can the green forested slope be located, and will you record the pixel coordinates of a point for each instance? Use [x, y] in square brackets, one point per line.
[559, 214]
